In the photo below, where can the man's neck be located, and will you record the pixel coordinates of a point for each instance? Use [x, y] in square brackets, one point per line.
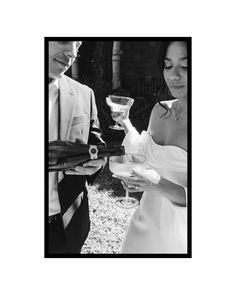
[54, 82]
[52, 79]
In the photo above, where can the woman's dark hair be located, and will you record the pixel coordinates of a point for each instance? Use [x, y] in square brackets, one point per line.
[163, 93]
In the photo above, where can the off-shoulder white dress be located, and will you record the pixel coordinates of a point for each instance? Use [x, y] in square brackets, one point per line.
[158, 226]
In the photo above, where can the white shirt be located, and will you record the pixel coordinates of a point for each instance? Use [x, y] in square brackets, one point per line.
[54, 205]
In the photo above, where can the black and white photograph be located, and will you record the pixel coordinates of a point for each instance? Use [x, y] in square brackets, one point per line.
[118, 147]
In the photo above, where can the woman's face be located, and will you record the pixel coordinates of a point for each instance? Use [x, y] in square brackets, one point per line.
[176, 69]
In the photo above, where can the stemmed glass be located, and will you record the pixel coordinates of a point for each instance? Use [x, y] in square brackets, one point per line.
[118, 104]
[121, 166]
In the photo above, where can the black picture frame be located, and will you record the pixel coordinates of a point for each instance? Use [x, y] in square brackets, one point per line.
[45, 140]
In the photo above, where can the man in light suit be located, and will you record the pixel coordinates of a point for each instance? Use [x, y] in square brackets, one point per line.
[72, 116]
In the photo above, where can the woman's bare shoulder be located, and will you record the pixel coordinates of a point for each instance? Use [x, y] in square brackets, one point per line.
[159, 108]
[168, 103]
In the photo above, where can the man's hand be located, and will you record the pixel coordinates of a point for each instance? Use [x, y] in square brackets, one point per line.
[88, 168]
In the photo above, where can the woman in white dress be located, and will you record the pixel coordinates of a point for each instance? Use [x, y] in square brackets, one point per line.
[159, 224]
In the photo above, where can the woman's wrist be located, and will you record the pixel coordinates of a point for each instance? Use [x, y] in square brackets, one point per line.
[153, 179]
[156, 185]
[127, 125]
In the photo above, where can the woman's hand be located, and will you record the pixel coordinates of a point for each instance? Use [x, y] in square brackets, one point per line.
[122, 115]
[141, 180]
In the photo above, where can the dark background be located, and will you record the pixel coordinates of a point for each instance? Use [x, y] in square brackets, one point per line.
[139, 75]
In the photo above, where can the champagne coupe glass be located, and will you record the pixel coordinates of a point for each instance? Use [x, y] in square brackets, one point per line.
[121, 166]
[118, 104]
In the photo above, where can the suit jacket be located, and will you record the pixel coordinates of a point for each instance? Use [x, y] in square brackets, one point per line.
[78, 121]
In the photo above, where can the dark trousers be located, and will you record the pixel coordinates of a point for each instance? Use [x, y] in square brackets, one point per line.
[56, 237]
[71, 239]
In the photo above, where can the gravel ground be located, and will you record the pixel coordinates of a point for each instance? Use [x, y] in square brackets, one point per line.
[108, 222]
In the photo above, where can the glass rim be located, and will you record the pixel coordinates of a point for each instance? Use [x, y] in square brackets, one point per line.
[133, 154]
[119, 96]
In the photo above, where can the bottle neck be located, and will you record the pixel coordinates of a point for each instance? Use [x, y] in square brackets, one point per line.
[111, 150]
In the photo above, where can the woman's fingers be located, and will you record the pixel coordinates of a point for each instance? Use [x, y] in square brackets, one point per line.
[131, 188]
[130, 180]
[137, 173]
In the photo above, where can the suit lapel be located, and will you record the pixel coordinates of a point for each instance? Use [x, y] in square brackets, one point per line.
[67, 101]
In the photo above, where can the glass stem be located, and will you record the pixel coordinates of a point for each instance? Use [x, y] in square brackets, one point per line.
[126, 196]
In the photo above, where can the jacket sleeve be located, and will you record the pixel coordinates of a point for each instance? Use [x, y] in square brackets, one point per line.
[95, 133]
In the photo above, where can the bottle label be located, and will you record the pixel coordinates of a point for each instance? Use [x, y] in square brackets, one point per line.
[93, 151]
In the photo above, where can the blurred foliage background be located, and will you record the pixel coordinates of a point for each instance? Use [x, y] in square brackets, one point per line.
[139, 79]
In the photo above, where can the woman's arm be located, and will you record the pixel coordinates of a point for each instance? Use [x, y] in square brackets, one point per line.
[126, 124]
[173, 192]
[149, 179]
